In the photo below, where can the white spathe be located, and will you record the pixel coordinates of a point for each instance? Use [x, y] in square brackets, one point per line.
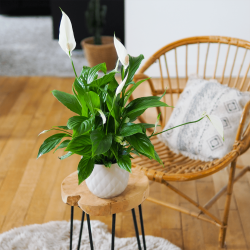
[102, 116]
[121, 52]
[216, 121]
[121, 85]
[66, 35]
[54, 235]
[107, 182]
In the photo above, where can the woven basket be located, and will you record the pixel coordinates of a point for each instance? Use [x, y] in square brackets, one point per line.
[97, 54]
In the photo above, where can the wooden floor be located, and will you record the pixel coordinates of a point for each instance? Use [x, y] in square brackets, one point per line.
[30, 189]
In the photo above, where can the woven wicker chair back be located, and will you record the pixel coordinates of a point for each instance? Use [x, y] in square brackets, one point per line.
[223, 58]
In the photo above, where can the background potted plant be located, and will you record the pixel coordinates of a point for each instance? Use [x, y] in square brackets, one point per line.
[98, 48]
[103, 131]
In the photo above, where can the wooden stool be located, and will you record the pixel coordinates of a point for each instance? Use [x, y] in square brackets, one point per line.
[79, 195]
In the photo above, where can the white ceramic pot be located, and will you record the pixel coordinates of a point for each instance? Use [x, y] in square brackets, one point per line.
[107, 182]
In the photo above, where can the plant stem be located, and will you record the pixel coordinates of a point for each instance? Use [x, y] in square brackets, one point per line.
[72, 64]
[176, 127]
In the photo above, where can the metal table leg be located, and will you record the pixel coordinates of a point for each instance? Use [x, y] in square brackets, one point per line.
[80, 234]
[90, 233]
[113, 232]
[71, 227]
[136, 229]
[142, 228]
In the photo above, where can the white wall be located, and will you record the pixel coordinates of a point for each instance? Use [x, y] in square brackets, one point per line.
[151, 24]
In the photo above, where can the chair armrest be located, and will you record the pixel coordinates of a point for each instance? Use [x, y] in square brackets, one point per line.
[243, 138]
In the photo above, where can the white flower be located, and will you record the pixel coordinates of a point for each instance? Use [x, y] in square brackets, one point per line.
[66, 36]
[120, 87]
[157, 122]
[43, 132]
[216, 121]
[102, 116]
[121, 52]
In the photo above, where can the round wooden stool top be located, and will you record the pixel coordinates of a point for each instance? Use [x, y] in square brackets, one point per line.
[79, 195]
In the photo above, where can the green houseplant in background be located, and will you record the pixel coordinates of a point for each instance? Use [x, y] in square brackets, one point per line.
[95, 19]
[102, 130]
[98, 48]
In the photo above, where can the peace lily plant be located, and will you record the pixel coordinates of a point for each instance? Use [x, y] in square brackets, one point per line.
[102, 130]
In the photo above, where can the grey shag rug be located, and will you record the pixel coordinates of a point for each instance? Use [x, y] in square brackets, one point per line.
[28, 49]
[55, 235]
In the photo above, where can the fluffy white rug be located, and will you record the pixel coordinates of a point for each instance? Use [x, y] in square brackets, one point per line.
[27, 48]
[55, 235]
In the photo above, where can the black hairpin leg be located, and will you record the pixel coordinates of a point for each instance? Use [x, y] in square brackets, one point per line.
[90, 233]
[80, 234]
[142, 228]
[71, 227]
[113, 232]
[136, 229]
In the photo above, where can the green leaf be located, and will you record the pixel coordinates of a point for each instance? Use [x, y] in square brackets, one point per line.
[124, 162]
[130, 129]
[68, 100]
[93, 72]
[157, 158]
[144, 103]
[101, 143]
[113, 149]
[81, 90]
[134, 63]
[64, 144]
[66, 155]
[85, 168]
[113, 106]
[103, 80]
[80, 145]
[90, 74]
[133, 116]
[142, 144]
[50, 143]
[80, 123]
[147, 125]
[92, 101]
[113, 86]
[132, 89]
[63, 127]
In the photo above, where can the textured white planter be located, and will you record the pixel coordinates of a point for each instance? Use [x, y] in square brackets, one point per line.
[107, 182]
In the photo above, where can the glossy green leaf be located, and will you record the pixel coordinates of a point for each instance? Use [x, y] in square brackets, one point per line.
[85, 168]
[133, 116]
[124, 162]
[134, 63]
[132, 89]
[142, 144]
[50, 143]
[92, 101]
[66, 155]
[64, 144]
[144, 103]
[90, 74]
[100, 82]
[130, 129]
[68, 100]
[80, 145]
[101, 142]
[80, 123]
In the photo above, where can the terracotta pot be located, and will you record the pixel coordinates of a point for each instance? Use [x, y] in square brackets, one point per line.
[107, 182]
[97, 54]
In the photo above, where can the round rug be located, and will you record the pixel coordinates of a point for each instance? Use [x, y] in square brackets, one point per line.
[55, 235]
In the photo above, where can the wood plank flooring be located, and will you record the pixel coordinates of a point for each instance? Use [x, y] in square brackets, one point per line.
[30, 189]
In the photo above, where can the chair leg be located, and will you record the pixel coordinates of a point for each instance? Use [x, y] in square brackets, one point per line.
[71, 227]
[223, 230]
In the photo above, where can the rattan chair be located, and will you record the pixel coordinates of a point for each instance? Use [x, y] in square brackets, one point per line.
[178, 167]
